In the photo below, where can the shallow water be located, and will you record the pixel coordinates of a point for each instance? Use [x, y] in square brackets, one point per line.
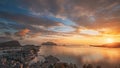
[106, 57]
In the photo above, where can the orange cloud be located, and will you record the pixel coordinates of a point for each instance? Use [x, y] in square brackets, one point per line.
[22, 32]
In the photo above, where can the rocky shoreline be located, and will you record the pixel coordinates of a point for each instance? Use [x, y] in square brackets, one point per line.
[21, 56]
[18, 56]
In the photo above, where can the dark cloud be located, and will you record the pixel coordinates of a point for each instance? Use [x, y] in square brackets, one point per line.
[94, 14]
[3, 39]
[10, 26]
[18, 22]
[2, 25]
[43, 6]
[29, 20]
[83, 12]
[8, 34]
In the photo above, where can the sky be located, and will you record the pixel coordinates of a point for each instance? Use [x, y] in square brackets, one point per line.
[60, 21]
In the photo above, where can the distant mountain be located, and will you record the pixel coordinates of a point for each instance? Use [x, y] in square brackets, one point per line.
[112, 45]
[48, 43]
[13, 43]
[109, 45]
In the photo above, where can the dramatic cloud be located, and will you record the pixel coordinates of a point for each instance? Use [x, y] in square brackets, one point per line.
[29, 20]
[60, 17]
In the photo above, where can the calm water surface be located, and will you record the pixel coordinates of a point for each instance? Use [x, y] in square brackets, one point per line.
[106, 57]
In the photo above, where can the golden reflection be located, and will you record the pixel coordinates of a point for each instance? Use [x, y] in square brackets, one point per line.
[84, 54]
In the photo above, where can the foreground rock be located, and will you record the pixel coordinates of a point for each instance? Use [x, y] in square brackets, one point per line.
[13, 55]
[52, 62]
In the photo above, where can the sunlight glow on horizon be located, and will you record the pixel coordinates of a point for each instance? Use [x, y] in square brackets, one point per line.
[109, 40]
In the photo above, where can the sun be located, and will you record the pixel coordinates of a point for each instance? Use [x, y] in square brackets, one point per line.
[109, 40]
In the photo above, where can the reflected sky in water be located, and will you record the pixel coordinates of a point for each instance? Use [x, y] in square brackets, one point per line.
[107, 57]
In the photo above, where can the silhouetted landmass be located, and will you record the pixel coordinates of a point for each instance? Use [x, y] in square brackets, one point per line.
[109, 45]
[13, 43]
[20, 57]
[48, 43]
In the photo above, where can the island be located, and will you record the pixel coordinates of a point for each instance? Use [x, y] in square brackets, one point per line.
[108, 45]
[49, 43]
